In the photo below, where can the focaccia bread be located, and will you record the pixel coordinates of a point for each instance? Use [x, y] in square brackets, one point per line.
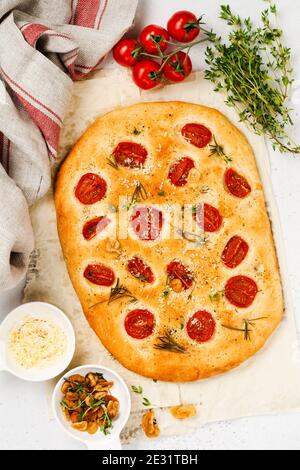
[164, 229]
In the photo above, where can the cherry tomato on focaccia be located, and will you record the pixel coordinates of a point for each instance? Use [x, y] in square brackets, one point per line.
[126, 52]
[139, 323]
[153, 35]
[179, 171]
[90, 189]
[100, 275]
[140, 270]
[177, 270]
[178, 68]
[130, 154]
[146, 74]
[236, 184]
[235, 252]
[208, 218]
[241, 291]
[147, 223]
[197, 134]
[184, 26]
[201, 326]
[95, 226]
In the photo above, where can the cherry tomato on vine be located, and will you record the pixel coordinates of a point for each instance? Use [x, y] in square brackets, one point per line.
[146, 74]
[126, 52]
[178, 68]
[184, 26]
[153, 35]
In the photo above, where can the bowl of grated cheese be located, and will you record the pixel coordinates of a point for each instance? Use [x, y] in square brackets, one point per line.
[37, 342]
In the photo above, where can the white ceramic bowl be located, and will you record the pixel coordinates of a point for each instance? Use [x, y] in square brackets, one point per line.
[38, 310]
[120, 390]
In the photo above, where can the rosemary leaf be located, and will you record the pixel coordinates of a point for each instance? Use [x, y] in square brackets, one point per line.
[139, 194]
[167, 343]
[112, 162]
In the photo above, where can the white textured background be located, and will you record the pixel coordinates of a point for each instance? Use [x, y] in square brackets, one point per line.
[23, 406]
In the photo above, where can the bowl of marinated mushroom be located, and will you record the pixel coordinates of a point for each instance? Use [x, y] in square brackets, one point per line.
[92, 404]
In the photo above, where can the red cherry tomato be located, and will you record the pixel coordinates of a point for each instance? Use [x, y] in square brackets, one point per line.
[179, 172]
[90, 189]
[126, 52]
[236, 184]
[140, 270]
[235, 252]
[208, 217]
[139, 323]
[241, 291]
[100, 275]
[146, 74]
[177, 270]
[95, 226]
[201, 327]
[178, 68]
[147, 223]
[130, 155]
[153, 35]
[197, 135]
[184, 26]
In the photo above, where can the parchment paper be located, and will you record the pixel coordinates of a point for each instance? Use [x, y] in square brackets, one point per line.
[268, 383]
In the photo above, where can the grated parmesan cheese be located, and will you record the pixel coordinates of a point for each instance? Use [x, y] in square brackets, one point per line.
[37, 343]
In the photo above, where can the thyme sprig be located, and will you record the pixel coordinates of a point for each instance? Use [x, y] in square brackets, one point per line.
[254, 68]
[168, 343]
[247, 327]
[217, 149]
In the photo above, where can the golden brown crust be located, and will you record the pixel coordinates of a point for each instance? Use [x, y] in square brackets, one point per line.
[158, 126]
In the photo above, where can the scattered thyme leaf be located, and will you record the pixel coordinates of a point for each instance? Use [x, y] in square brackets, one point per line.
[216, 296]
[146, 402]
[138, 390]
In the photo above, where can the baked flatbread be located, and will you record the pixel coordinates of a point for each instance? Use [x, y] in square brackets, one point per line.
[182, 294]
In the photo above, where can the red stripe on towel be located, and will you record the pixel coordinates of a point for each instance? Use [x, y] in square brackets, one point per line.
[33, 32]
[86, 13]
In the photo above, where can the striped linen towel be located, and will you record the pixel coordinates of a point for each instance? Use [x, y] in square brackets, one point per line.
[44, 46]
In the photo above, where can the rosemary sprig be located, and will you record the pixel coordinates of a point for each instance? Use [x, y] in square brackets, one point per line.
[112, 162]
[116, 293]
[246, 327]
[254, 68]
[119, 292]
[167, 343]
[200, 240]
[139, 194]
[217, 149]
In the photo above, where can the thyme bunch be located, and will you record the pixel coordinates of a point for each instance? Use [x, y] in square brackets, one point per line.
[254, 68]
